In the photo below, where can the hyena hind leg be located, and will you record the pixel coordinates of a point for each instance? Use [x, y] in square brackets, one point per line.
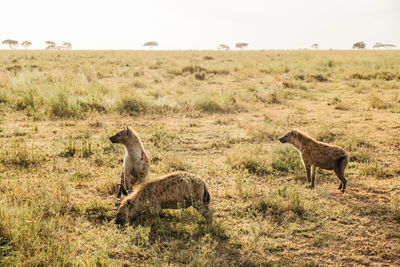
[339, 171]
[313, 171]
[343, 181]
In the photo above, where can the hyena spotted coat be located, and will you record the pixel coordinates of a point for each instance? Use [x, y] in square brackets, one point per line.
[136, 161]
[318, 154]
[173, 191]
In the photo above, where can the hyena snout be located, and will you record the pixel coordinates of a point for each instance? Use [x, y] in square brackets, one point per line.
[113, 139]
[283, 139]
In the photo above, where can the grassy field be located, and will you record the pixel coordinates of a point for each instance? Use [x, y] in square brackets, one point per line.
[218, 115]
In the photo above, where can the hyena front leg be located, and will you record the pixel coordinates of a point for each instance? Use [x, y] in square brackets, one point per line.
[127, 176]
[313, 171]
[308, 171]
[122, 182]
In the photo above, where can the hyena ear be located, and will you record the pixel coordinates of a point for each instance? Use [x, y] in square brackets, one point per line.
[129, 131]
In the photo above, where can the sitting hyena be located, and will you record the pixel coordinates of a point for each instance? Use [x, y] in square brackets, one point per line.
[173, 191]
[318, 154]
[136, 162]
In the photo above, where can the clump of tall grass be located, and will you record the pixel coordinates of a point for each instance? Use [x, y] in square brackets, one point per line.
[274, 97]
[377, 103]
[378, 170]
[263, 132]
[222, 103]
[324, 133]
[287, 160]
[396, 206]
[31, 220]
[161, 137]
[380, 75]
[253, 159]
[61, 106]
[280, 203]
[133, 104]
[20, 154]
[173, 162]
[83, 149]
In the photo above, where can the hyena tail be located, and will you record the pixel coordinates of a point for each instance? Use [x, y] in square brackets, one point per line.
[206, 196]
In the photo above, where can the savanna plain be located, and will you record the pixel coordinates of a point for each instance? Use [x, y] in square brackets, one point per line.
[217, 114]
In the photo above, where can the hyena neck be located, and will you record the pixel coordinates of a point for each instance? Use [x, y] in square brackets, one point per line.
[135, 151]
[301, 141]
[297, 146]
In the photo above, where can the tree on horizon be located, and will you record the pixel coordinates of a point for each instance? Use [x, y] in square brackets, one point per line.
[150, 44]
[314, 46]
[26, 44]
[359, 45]
[11, 43]
[224, 47]
[51, 44]
[379, 45]
[241, 45]
[67, 45]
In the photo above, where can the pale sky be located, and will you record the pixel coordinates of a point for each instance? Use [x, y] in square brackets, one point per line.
[202, 24]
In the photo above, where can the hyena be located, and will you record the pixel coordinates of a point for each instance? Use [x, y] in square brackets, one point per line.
[318, 154]
[136, 162]
[173, 191]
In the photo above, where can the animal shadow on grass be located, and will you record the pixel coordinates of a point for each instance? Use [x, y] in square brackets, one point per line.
[182, 233]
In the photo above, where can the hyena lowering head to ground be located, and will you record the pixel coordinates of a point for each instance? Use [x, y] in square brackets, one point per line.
[318, 154]
[136, 162]
[173, 191]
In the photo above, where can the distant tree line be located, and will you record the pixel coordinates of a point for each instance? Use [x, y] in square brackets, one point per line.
[51, 45]
[12, 44]
[362, 45]
[379, 45]
[237, 45]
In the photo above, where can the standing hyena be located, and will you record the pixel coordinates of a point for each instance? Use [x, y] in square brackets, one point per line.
[173, 191]
[136, 162]
[318, 154]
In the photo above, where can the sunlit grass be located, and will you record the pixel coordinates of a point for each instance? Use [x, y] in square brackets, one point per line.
[218, 114]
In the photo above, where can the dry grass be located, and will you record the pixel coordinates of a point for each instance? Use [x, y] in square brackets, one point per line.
[217, 114]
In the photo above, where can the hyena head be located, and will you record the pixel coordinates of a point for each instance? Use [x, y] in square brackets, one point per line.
[123, 212]
[290, 137]
[124, 137]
